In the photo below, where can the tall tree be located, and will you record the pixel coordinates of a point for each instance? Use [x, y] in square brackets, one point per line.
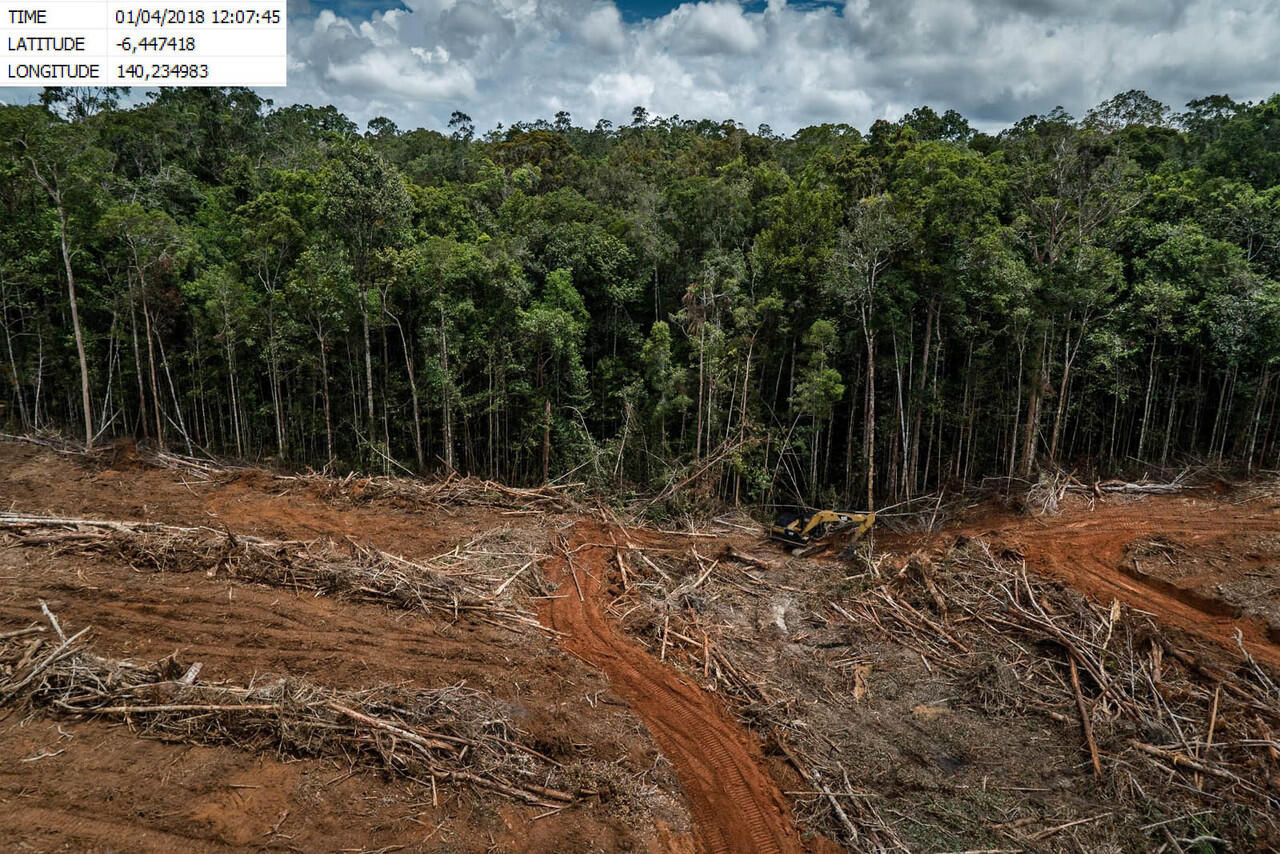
[65, 164]
[368, 207]
[864, 253]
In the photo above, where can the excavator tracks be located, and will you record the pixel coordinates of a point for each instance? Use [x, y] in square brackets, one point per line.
[736, 806]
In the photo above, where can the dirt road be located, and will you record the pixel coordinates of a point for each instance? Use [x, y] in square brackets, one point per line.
[736, 806]
[1089, 550]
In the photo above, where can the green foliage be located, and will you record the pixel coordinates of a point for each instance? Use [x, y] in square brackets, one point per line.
[837, 315]
[819, 388]
[664, 378]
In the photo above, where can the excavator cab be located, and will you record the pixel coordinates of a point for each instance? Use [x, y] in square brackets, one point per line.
[807, 527]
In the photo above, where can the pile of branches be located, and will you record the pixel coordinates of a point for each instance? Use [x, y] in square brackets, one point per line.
[203, 468]
[402, 489]
[46, 439]
[667, 603]
[1160, 725]
[1172, 732]
[1044, 496]
[453, 734]
[706, 615]
[453, 583]
[1265, 486]
[922, 514]
[451, 491]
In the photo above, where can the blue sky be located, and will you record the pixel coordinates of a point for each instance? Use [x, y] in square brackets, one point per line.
[632, 10]
[639, 9]
[355, 8]
[635, 10]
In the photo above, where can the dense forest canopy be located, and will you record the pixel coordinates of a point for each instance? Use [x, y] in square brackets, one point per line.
[836, 316]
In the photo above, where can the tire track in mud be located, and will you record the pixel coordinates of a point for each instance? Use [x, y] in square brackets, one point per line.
[736, 806]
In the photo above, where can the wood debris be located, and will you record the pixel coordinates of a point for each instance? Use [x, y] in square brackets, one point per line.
[451, 583]
[453, 734]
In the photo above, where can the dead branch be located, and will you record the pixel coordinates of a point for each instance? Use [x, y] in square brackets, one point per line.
[452, 583]
[452, 733]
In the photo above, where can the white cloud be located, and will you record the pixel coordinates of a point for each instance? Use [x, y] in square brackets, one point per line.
[709, 29]
[601, 29]
[787, 65]
[616, 89]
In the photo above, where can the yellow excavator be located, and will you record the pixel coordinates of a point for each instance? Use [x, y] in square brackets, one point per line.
[815, 526]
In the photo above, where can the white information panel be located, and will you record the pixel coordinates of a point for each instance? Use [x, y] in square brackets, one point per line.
[140, 43]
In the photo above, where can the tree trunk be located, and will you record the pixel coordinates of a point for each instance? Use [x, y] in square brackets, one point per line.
[177, 404]
[143, 415]
[413, 393]
[1260, 398]
[546, 443]
[199, 408]
[1017, 409]
[1146, 403]
[813, 462]
[966, 470]
[227, 342]
[273, 379]
[1198, 397]
[151, 366]
[13, 367]
[55, 193]
[35, 408]
[1115, 421]
[386, 384]
[1062, 399]
[368, 359]
[742, 416]
[492, 416]
[447, 397]
[75, 324]
[916, 420]
[902, 442]
[1032, 427]
[848, 445]
[702, 351]
[1226, 418]
[1168, 422]
[869, 428]
[324, 391]
[237, 411]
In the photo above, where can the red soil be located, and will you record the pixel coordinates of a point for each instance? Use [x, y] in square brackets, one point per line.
[208, 798]
[736, 805]
[72, 785]
[1087, 549]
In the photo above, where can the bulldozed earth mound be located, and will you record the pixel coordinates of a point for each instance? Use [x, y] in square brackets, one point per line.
[205, 657]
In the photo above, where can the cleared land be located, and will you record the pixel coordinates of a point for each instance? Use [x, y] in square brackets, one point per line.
[577, 684]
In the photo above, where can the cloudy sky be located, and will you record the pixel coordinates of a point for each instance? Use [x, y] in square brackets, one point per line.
[788, 64]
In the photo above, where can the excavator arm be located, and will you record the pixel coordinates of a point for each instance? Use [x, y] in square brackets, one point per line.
[806, 528]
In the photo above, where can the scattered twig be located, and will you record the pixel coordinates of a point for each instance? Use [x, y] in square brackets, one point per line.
[451, 734]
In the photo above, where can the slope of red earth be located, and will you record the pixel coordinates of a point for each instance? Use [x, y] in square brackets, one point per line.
[77, 785]
[1092, 549]
[737, 807]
